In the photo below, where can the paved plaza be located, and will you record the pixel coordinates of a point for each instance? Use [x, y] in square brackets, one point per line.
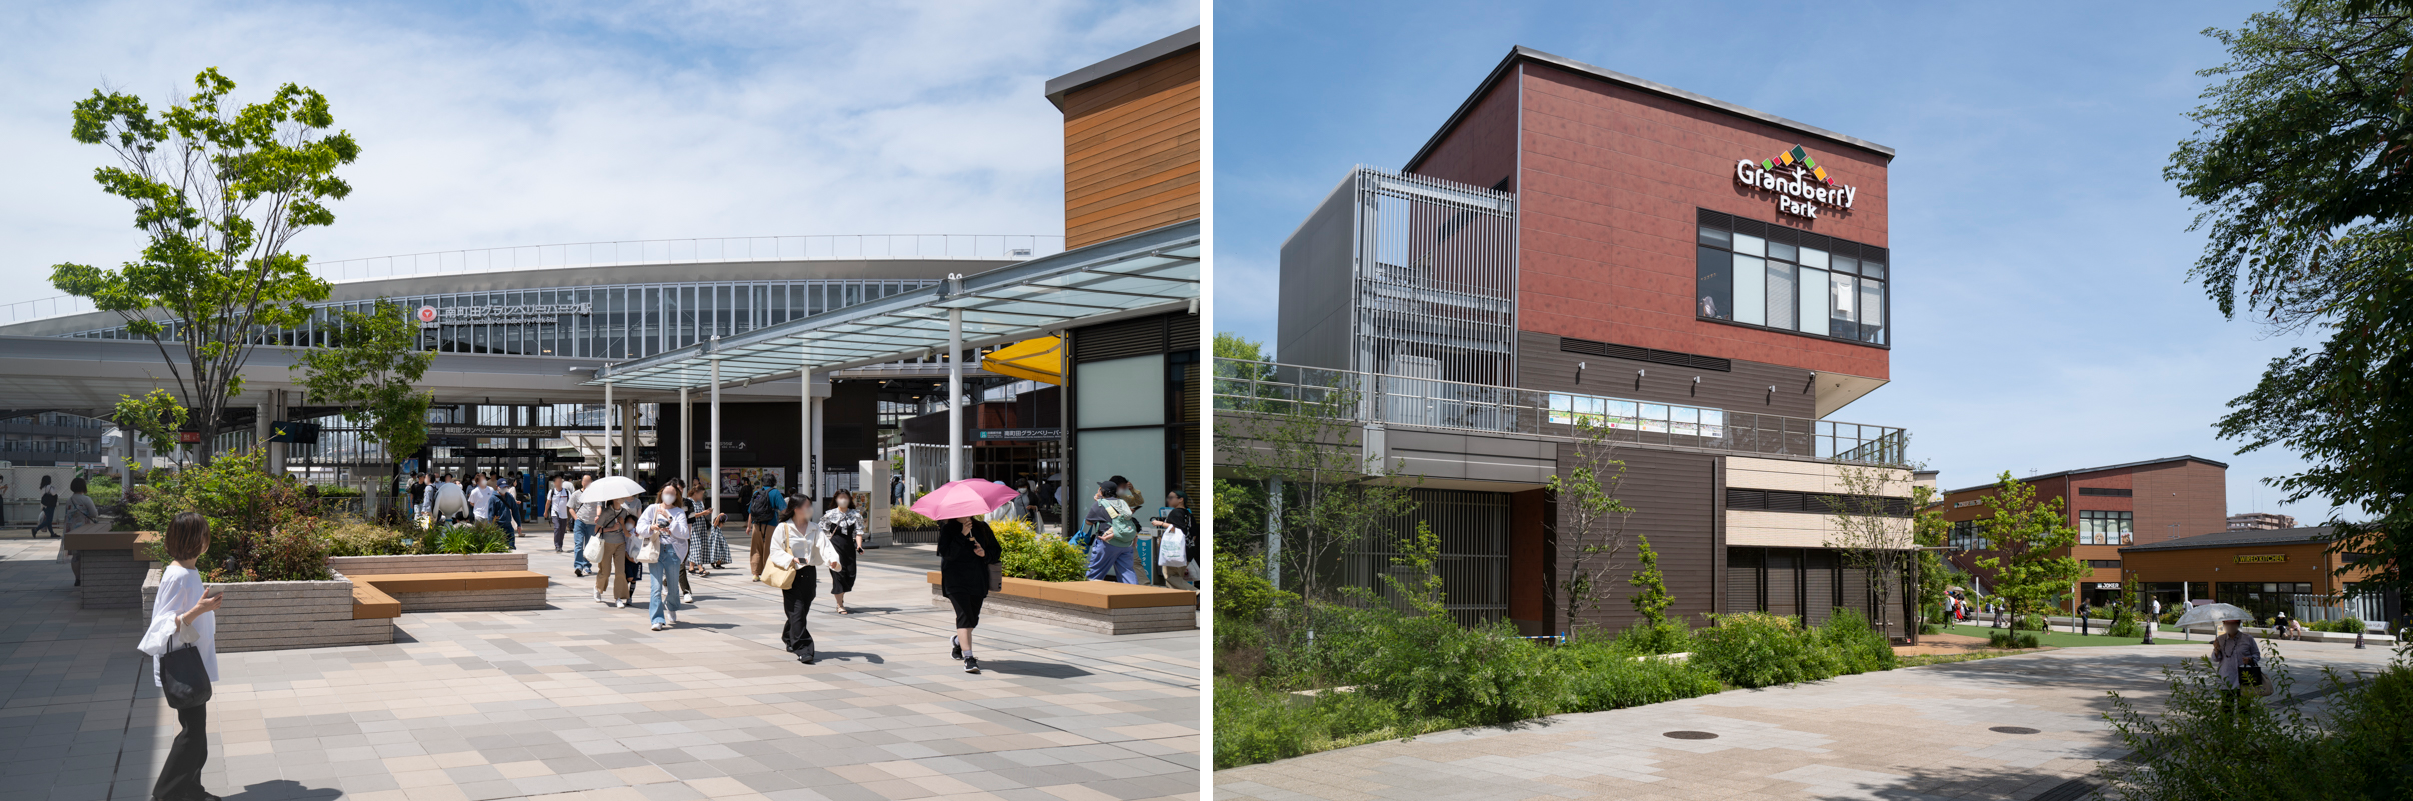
[583, 702]
[1915, 733]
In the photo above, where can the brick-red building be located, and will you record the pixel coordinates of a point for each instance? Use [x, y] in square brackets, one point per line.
[2137, 503]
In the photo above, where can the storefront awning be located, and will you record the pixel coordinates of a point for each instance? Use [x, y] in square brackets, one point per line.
[1040, 360]
[1138, 275]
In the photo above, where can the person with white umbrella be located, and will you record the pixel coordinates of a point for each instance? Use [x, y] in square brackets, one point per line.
[607, 548]
[2237, 655]
[968, 554]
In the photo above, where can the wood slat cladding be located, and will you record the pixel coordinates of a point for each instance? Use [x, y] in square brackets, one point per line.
[1674, 499]
[1542, 364]
[1131, 151]
[1164, 333]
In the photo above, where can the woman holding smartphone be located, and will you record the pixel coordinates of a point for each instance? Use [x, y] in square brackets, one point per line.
[799, 544]
[182, 615]
[665, 525]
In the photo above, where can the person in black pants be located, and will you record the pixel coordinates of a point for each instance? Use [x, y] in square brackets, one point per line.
[844, 526]
[966, 549]
[799, 543]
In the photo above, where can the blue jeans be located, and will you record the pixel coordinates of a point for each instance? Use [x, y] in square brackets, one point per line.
[1112, 562]
[665, 583]
[584, 530]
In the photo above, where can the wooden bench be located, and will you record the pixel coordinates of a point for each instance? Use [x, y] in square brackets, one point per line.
[1105, 607]
[374, 594]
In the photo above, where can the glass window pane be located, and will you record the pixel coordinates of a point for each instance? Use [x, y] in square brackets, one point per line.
[1872, 269]
[779, 304]
[1813, 257]
[1715, 284]
[741, 315]
[1750, 290]
[722, 301]
[1752, 245]
[1872, 311]
[1712, 236]
[1846, 264]
[1813, 317]
[1782, 251]
[651, 313]
[1841, 322]
[1780, 295]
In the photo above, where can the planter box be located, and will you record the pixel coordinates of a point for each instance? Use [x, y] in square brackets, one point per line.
[110, 566]
[277, 615]
[466, 599]
[1103, 607]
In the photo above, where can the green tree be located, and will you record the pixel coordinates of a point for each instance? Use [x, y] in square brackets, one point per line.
[1324, 493]
[1591, 519]
[1650, 598]
[1929, 530]
[220, 192]
[2302, 168]
[371, 367]
[1871, 529]
[2027, 536]
[155, 417]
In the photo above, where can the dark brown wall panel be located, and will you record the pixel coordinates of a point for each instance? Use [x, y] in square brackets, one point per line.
[1528, 567]
[1131, 152]
[1543, 365]
[1673, 496]
[1610, 182]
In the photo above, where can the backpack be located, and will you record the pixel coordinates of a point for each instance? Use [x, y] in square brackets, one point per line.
[759, 509]
[779, 501]
[1122, 531]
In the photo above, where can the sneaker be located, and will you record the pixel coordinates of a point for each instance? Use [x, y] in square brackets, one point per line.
[599, 597]
[955, 647]
[971, 664]
[806, 657]
[657, 627]
[623, 604]
[686, 597]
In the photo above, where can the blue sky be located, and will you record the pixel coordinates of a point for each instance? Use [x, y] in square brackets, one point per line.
[547, 121]
[2044, 320]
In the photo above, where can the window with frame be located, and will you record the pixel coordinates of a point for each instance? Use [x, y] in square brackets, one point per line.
[1964, 537]
[2106, 528]
[1775, 277]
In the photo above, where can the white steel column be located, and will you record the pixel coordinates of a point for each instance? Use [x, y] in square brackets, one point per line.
[955, 394]
[611, 428]
[686, 437]
[804, 430]
[714, 477]
[628, 438]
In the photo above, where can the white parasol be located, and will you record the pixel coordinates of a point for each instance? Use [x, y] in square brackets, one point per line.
[611, 488]
[2213, 613]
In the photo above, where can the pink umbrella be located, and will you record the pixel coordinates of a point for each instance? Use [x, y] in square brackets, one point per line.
[971, 497]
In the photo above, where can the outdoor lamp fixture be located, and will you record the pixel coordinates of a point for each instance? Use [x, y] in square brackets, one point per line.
[1696, 386]
[1579, 372]
[1638, 379]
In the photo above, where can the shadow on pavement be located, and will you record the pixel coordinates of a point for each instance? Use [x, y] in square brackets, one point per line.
[1045, 670]
[285, 790]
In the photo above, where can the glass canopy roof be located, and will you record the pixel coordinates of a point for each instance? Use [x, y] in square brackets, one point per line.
[1137, 275]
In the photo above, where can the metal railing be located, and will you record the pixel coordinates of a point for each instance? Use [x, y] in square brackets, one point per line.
[876, 247]
[1267, 387]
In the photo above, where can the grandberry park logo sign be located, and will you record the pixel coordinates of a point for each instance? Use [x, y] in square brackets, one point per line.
[1801, 186]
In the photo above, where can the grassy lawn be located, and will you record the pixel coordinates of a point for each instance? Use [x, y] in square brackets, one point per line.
[2063, 639]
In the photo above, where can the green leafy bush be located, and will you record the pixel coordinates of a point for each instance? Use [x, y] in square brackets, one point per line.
[903, 519]
[1758, 650]
[483, 537]
[2007, 639]
[366, 539]
[262, 527]
[1668, 637]
[1857, 647]
[2341, 626]
[2208, 742]
[2034, 622]
[1241, 588]
[2126, 628]
[1038, 557]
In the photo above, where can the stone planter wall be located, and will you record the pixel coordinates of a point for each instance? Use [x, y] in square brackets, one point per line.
[277, 615]
[113, 579]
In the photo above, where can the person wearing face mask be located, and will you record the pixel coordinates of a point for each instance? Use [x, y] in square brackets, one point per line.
[797, 543]
[1177, 524]
[844, 527]
[664, 525]
[612, 520]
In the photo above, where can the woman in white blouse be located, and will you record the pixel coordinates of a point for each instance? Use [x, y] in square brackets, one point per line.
[181, 615]
[664, 525]
[800, 544]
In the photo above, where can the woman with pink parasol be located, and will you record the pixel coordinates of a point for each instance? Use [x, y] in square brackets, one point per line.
[968, 553]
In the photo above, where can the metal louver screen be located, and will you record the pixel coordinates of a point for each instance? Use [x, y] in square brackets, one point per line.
[1742, 580]
[1783, 598]
[1121, 338]
[1818, 587]
[1591, 348]
[1436, 277]
[1473, 527]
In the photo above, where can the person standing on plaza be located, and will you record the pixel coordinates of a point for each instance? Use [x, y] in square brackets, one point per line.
[613, 520]
[1177, 527]
[663, 529]
[183, 616]
[842, 525]
[81, 511]
[2239, 659]
[1114, 535]
[711, 547]
[797, 543]
[966, 549]
[3, 500]
[557, 508]
[583, 515]
[50, 509]
[758, 535]
[481, 501]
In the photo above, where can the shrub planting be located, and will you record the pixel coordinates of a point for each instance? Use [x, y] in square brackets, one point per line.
[2209, 743]
[2011, 639]
[903, 519]
[1035, 556]
[1754, 649]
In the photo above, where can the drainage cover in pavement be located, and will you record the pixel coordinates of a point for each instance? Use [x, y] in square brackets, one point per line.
[2013, 729]
[1692, 735]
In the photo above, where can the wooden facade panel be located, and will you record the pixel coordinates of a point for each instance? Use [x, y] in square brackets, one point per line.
[1131, 151]
[1673, 497]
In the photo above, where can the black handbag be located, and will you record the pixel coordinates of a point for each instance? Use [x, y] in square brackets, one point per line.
[183, 679]
[996, 577]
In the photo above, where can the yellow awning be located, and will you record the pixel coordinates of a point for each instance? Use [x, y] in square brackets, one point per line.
[1034, 359]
